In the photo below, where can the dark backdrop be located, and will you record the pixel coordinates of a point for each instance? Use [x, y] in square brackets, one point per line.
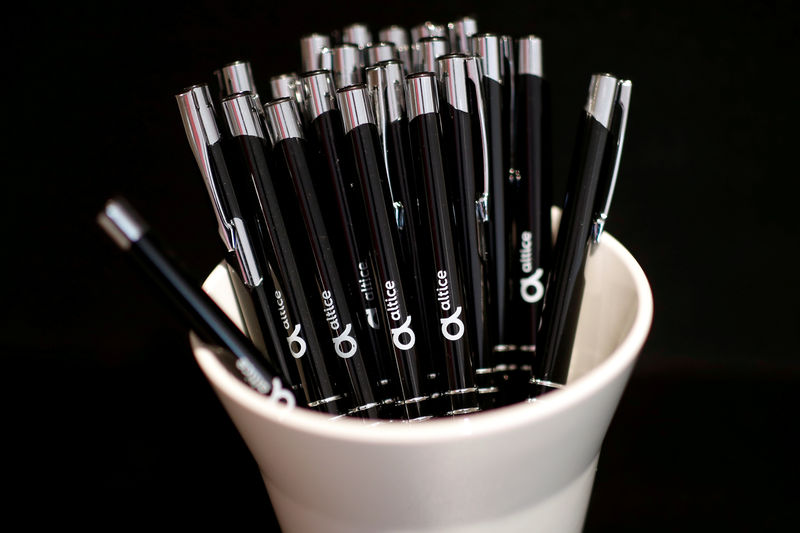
[113, 413]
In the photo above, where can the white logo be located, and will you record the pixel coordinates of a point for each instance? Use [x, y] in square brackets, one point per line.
[342, 339]
[532, 282]
[279, 394]
[405, 328]
[372, 318]
[296, 340]
[453, 319]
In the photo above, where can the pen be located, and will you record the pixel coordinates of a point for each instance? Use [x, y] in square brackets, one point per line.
[302, 328]
[345, 62]
[463, 134]
[362, 136]
[289, 151]
[237, 222]
[488, 49]
[399, 36]
[459, 33]
[357, 34]
[386, 83]
[426, 51]
[427, 29]
[286, 86]
[445, 290]
[132, 234]
[311, 47]
[564, 289]
[380, 51]
[346, 219]
[236, 77]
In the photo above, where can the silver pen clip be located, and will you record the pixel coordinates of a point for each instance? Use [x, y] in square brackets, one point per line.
[605, 193]
[379, 92]
[474, 74]
[199, 121]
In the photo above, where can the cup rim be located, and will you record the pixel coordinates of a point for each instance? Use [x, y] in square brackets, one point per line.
[505, 418]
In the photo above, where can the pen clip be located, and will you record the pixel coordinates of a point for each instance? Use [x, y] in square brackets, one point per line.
[379, 88]
[608, 178]
[474, 74]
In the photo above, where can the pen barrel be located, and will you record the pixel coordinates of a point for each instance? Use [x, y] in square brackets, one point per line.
[562, 297]
[458, 144]
[403, 326]
[304, 351]
[290, 156]
[344, 213]
[444, 287]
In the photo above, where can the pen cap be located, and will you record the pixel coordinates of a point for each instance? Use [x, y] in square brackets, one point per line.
[460, 32]
[287, 86]
[345, 62]
[357, 34]
[487, 47]
[529, 56]
[452, 74]
[283, 122]
[422, 98]
[426, 51]
[382, 51]
[395, 93]
[236, 77]
[427, 29]
[310, 48]
[318, 93]
[242, 115]
[355, 106]
[601, 98]
[394, 34]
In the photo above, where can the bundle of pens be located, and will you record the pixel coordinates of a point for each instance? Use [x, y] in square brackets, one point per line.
[387, 218]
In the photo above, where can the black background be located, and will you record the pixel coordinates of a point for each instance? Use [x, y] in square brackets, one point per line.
[110, 413]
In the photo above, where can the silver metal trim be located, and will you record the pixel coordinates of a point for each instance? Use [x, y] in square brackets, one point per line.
[358, 34]
[395, 89]
[427, 29]
[355, 105]
[422, 98]
[283, 122]
[410, 401]
[488, 48]
[529, 56]
[394, 34]
[346, 65]
[504, 347]
[452, 74]
[236, 77]
[310, 48]
[474, 74]
[546, 383]
[463, 411]
[601, 98]
[242, 115]
[381, 51]
[460, 32]
[326, 400]
[319, 93]
[426, 51]
[466, 390]
[287, 86]
[122, 223]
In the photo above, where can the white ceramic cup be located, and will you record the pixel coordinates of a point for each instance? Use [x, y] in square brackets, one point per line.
[524, 467]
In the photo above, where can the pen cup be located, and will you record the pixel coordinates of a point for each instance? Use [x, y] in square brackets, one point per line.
[523, 467]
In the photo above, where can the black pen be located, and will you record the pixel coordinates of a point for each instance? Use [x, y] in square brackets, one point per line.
[494, 77]
[239, 225]
[399, 37]
[346, 219]
[386, 83]
[426, 51]
[466, 162]
[443, 276]
[311, 47]
[531, 240]
[459, 33]
[362, 135]
[302, 326]
[290, 154]
[132, 234]
[564, 289]
[345, 62]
